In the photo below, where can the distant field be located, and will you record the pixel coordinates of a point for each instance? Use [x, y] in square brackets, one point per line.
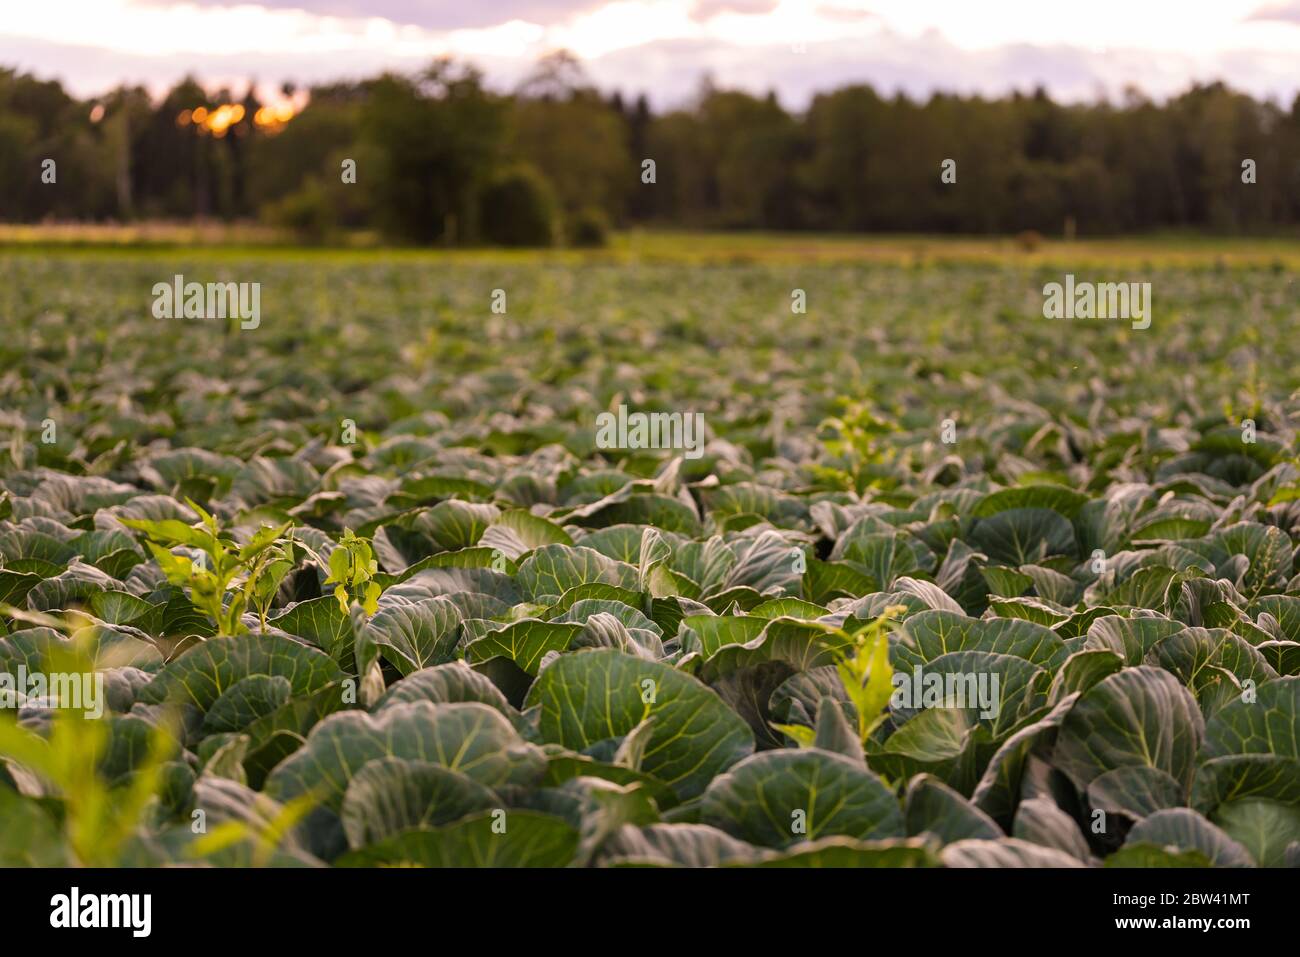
[710, 247]
[775, 247]
[703, 307]
[667, 656]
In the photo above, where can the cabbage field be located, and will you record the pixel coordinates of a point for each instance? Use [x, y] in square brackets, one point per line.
[942, 583]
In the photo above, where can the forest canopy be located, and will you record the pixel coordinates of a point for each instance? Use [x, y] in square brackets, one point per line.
[420, 158]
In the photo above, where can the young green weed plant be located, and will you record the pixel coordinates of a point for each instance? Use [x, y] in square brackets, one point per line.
[857, 441]
[217, 566]
[866, 674]
[98, 818]
[263, 837]
[352, 569]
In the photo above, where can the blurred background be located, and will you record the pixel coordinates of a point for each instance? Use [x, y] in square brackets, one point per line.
[527, 122]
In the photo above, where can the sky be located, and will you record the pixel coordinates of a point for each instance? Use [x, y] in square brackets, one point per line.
[1078, 50]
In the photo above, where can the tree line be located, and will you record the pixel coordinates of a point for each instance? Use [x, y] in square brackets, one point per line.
[438, 157]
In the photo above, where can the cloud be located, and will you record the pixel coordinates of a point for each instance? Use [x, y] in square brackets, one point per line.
[1283, 12]
[707, 9]
[429, 14]
[833, 11]
[99, 70]
[667, 68]
[670, 71]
